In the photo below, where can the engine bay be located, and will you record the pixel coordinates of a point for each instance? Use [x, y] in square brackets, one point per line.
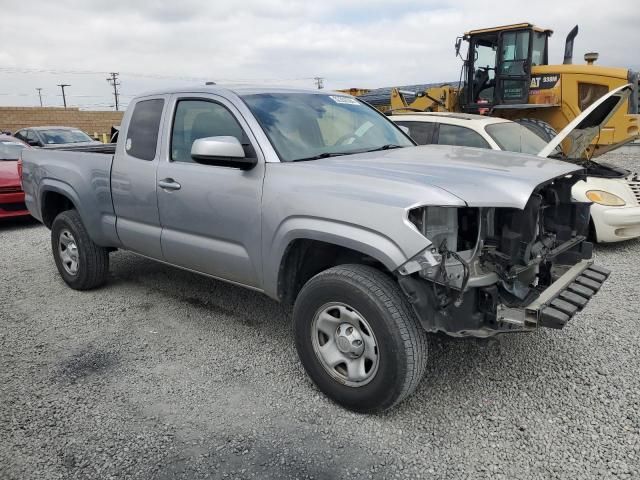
[484, 259]
[600, 169]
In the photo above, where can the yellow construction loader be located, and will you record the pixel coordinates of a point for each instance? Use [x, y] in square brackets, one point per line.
[506, 73]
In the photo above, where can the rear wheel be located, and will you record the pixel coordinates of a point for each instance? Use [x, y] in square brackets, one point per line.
[82, 264]
[358, 338]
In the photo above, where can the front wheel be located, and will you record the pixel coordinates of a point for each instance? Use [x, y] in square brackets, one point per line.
[82, 264]
[358, 338]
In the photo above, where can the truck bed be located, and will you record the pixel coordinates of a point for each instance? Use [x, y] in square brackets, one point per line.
[82, 174]
[104, 148]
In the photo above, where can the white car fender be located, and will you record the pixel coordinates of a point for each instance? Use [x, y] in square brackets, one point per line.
[611, 223]
[617, 186]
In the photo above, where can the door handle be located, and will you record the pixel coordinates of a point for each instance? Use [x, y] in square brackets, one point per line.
[169, 184]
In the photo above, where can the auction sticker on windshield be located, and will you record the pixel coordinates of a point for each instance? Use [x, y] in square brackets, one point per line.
[345, 100]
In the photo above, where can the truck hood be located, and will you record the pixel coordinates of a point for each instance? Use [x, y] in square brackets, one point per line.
[9, 174]
[586, 126]
[479, 177]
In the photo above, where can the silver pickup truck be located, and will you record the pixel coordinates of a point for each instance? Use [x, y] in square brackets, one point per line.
[320, 202]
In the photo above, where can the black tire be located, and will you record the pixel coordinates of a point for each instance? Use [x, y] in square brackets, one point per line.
[541, 128]
[593, 233]
[401, 340]
[92, 263]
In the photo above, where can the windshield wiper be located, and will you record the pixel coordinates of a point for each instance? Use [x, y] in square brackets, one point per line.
[321, 155]
[388, 146]
[337, 154]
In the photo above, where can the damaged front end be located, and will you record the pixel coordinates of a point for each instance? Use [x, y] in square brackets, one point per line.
[492, 270]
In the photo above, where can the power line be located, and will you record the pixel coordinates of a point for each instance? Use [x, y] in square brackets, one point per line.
[83, 101]
[49, 70]
[156, 76]
[113, 80]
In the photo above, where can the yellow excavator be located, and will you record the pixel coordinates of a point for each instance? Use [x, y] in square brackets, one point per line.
[506, 73]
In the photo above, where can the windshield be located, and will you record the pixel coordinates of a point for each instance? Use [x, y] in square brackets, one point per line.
[10, 150]
[51, 137]
[513, 137]
[305, 126]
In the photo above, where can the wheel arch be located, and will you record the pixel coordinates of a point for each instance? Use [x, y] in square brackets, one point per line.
[304, 247]
[304, 258]
[55, 198]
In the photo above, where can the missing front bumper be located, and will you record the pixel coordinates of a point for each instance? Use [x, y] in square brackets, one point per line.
[559, 302]
[481, 314]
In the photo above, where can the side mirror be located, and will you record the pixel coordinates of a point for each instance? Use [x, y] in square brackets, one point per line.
[223, 151]
[458, 43]
[33, 143]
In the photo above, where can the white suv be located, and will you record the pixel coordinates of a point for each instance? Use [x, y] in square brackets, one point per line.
[615, 192]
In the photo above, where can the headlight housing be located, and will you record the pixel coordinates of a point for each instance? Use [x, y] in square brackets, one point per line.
[455, 227]
[605, 198]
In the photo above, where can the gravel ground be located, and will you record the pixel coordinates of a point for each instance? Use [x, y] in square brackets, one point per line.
[164, 374]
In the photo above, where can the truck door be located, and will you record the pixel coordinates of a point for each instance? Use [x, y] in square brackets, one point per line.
[133, 178]
[481, 71]
[210, 214]
[513, 74]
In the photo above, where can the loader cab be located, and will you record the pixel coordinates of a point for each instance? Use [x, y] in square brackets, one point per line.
[497, 69]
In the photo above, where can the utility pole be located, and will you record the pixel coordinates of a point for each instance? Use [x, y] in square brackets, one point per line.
[40, 95]
[64, 98]
[113, 80]
[319, 82]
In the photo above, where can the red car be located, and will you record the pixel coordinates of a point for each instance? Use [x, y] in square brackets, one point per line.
[11, 194]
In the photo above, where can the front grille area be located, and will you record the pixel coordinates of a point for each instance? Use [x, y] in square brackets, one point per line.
[634, 183]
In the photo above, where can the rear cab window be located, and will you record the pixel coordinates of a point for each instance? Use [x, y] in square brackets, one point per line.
[460, 136]
[143, 130]
[513, 137]
[421, 132]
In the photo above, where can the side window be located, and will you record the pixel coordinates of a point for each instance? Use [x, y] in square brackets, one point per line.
[515, 52]
[142, 134]
[20, 134]
[421, 132]
[196, 119]
[539, 50]
[461, 136]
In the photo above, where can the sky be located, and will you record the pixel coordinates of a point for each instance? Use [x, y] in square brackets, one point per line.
[361, 43]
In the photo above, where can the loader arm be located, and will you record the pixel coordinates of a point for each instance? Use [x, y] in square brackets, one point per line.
[434, 99]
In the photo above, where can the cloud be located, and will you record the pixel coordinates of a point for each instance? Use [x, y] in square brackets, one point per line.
[359, 44]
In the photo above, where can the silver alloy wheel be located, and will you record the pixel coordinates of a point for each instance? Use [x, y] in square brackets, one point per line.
[68, 252]
[345, 344]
